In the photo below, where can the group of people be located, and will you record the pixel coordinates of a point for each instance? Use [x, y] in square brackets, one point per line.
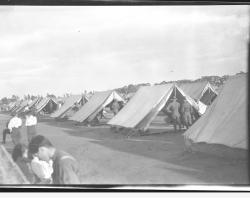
[13, 127]
[180, 114]
[39, 160]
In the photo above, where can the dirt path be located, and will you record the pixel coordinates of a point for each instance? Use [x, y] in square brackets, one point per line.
[106, 157]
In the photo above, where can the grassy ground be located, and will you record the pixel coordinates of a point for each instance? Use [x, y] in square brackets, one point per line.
[106, 157]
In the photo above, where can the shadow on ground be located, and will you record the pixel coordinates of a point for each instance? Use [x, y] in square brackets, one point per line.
[166, 147]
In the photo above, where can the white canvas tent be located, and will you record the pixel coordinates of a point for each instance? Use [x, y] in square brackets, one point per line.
[68, 104]
[11, 105]
[148, 101]
[35, 102]
[22, 106]
[44, 103]
[17, 104]
[96, 103]
[225, 121]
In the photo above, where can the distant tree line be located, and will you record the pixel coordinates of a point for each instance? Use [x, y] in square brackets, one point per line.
[216, 81]
[213, 80]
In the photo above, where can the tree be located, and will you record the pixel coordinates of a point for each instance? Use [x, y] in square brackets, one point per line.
[14, 97]
[33, 97]
[4, 100]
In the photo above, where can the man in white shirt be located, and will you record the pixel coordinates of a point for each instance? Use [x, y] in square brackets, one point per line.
[30, 123]
[14, 127]
[43, 170]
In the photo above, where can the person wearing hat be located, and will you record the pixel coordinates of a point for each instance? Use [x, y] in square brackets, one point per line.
[14, 127]
[187, 112]
[30, 123]
[173, 108]
[65, 167]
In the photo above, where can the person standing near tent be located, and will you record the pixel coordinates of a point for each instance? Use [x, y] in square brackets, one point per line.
[187, 113]
[173, 108]
[65, 167]
[122, 104]
[30, 123]
[14, 126]
[59, 105]
[6, 131]
[115, 106]
[50, 107]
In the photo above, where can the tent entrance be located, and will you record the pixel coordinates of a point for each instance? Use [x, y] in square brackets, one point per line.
[208, 97]
[160, 110]
[50, 107]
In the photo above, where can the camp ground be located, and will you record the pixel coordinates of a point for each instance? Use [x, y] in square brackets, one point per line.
[46, 105]
[225, 121]
[148, 101]
[67, 106]
[131, 97]
[202, 92]
[95, 105]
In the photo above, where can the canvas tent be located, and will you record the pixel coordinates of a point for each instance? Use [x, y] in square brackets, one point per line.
[22, 106]
[29, 104]
[47, 105]
[68, 104]
[35, 102]
[17, 104]
[10, 173]
[96, 103]
[202, 92]
[225, 121]
[148, 101]
[11, 105]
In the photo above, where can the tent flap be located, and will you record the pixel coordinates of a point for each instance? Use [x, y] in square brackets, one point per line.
[69, 102]
[95, 104]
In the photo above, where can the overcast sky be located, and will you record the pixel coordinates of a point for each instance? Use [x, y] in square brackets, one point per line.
[72, 49]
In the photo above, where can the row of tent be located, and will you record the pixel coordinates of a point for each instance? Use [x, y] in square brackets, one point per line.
[38, 105]
[220, 117]
[146, 100]
[142, 108]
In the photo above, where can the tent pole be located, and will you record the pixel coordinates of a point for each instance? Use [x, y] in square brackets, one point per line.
[174, 91]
